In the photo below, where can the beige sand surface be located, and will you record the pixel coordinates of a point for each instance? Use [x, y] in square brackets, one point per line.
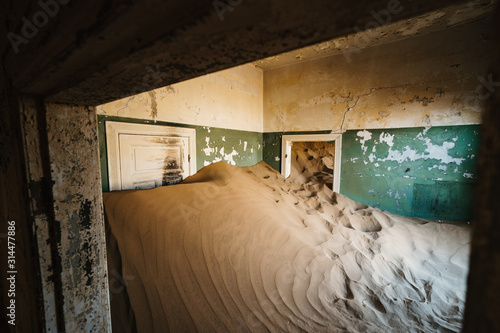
[242, 250]
[312, 161]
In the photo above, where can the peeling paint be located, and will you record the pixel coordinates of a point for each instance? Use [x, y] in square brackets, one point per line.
[227, 145]
[387, 139]
[37, 185]
[418, 164]
[208, 151]
[229, 158]
[72, 133]
[432, 151]
[440, 167]
[365, 135]
[231, 99]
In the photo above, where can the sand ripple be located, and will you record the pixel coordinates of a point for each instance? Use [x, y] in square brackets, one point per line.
[244, 250]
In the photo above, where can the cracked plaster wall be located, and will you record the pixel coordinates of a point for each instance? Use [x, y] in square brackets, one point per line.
[409, 111]
[230, 99]
[429, 80]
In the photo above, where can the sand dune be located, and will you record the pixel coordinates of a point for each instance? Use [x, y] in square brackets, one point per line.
[243, 250]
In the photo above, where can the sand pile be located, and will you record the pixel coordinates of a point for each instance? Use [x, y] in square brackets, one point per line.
[312, 162]
[242, 250]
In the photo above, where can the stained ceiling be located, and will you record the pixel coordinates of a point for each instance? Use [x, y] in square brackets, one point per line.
[448, 17]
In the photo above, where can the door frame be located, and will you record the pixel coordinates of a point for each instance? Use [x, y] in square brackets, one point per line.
[286, 149]
[113, 131]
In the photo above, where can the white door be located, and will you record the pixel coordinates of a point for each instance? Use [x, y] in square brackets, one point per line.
[152, 161]
[143, 156]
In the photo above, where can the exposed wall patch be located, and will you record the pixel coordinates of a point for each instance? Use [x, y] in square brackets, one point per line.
[439, 152]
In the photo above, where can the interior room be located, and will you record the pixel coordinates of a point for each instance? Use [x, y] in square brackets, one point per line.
[397, 89]
[241, 169]
[405, 116]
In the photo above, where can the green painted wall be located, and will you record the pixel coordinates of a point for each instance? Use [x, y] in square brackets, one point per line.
[241, 148]
[428, 173]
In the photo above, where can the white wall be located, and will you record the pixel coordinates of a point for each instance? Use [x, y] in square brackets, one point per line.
[428, 80]
[228, 99]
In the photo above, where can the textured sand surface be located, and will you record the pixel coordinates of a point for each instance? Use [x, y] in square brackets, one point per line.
[312, 162]
[243, 250]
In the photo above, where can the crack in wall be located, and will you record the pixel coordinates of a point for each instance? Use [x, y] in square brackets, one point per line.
[154, 106]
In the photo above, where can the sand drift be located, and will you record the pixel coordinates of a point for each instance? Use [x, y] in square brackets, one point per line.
[242, 250]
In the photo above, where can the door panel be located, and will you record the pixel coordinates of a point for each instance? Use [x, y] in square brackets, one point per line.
[150, 161]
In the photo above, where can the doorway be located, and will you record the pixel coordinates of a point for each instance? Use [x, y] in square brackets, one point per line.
[312, 157]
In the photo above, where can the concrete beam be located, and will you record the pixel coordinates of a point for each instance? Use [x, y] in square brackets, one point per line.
[93, 52]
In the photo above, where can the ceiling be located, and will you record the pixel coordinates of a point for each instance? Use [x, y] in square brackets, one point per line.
[382, 34]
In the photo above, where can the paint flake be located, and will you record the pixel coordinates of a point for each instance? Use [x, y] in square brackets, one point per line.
[387, 138]
[365, 135]
[229, 158]
[440, 167]
[208, 150]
